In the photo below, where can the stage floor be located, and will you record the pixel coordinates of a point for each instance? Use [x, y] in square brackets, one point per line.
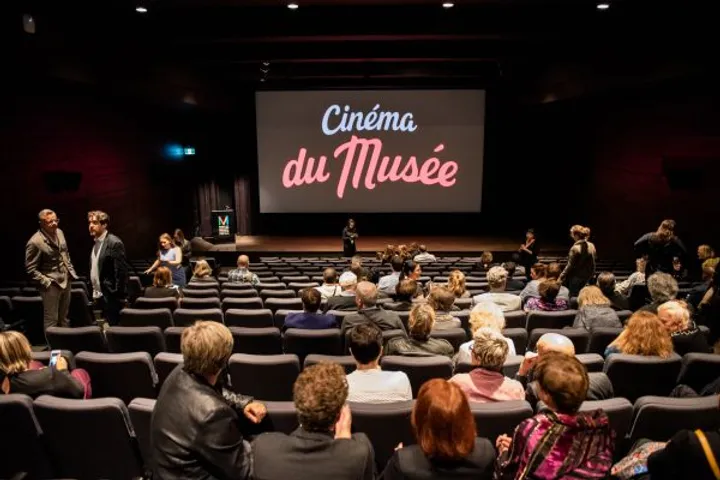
[370, 245]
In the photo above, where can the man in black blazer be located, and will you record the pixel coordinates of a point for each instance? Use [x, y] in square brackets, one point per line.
[108, 267]
[323, 446]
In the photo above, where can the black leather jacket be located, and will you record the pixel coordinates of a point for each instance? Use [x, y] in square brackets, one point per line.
[195, 431]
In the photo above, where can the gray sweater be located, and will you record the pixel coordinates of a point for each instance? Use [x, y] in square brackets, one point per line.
[594, 316]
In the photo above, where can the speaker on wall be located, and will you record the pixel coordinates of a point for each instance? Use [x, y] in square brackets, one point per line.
[59, 181]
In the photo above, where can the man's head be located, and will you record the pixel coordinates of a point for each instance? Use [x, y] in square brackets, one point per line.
[486, 258]
[489, 350]
[421, 321]
[563, 382]
[510, 268]
[422, 248]
[348, 281]
[206, 347]
[320, 393]
[366, 295]
[538, 271]
[554, 270]
[366, 343]
[330, 276]
[662, 287]
[554, 342]
[311, 299]
[606, 283]
[48, 221]
[548, 290]
[243, 261]
[406, 290]
[396, 263]
[97, 222]
[441, 299]
[497, 278]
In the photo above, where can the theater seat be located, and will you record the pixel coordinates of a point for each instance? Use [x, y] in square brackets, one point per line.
[634, 376]
[497, 418]
[135, 339]
[699, 369]
[601, 337]
[303, 342]
[552, 320]
[419, 369]
[140, 410]
[519, 337]
[256, 341]
[205, 303]
[89, 339]
[345, 361]
[455, 336]
[44, 358]
[146, 317]
[165, 363]
[121, 375]
[265, 377]
[580, 337]
[659, 418]
[167, 302]
[250, 318]
[184, 317]
[21, 441]
[386, 425]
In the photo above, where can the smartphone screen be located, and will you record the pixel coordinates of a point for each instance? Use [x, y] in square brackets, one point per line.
[54, 355]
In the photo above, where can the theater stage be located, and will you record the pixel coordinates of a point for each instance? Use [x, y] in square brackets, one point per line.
[332, 246]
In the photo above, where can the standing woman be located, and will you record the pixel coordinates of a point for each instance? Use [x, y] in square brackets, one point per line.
[581, 261]
[528, 252]
[349, 235]
[170, 256]
[184, 244]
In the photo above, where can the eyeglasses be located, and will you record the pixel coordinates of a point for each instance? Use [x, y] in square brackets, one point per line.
[53, 221]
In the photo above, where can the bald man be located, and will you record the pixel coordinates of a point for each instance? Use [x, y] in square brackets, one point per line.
[242, 274]
[366, 295]
[600, 386]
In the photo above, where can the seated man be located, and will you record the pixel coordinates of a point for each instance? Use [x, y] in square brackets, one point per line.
[323, 446]
[368, 311]
[513, 285]
[330, 286]
[600, 387]
[441, 299]
[309, 318]
[388, 283]
[195, 429]
[405, 293]
[242, 274]
[497, 280]
[346, 300]
[423, 255]
[368, 383]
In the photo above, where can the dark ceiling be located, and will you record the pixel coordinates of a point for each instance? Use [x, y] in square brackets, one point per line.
[200, 49]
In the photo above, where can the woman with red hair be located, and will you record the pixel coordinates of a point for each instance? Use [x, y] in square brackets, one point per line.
[447, 443]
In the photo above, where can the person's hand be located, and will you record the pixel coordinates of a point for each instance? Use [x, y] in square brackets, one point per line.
[61, 363]
[146, 272]
[399, 446]
[255, 412]
[528, 363]
[503, 443]
[344, 423]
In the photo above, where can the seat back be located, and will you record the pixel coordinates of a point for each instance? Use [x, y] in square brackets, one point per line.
[30, 310]
[257, 341]
[166, 302]
[165, 363]
[419, 369]
[88, 339]
[281, 417]
[386, 425]
[699, 369]
[579, 336]
[249, 318]
[265, 377]
[184, 317]
[519, 337]
[659, 418]
[345, 361]
[140, 410]
[241, 303]
[275, 303]
[173, 336]
[89, 438]
[146, 317]
[277, 293]
[601, 337]
[496, 418]
[44, 357]
[21, 441]
[121, 375]
[80, 313]
[551, 320]
[200, 303]
[515, 319]
[200, 293]
[303, 342]
[634, 376]
[279, 317]
[456, 336]
[135, 339]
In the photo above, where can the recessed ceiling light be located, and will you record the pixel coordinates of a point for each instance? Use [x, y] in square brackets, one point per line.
[293, 6]
[141, 9]
[448, 4]
[603, 6]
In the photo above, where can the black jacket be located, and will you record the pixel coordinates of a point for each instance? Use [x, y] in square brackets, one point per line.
[195, 431]
[47, 381]
[304, 455]
[113, 268]
[410, 463]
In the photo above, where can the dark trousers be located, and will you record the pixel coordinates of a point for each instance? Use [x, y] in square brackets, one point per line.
[111, 307]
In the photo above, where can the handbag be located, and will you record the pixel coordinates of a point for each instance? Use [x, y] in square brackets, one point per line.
[635, 463]
[709, 455]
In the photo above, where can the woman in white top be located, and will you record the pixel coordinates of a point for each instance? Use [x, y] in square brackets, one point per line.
[637, 278]
[484, 315]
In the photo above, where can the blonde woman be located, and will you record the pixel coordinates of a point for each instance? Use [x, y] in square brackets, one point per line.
[644, 335]
[489, 316]
[581, 261]
[202, 272]
[31, 378]
[456, 284]
[707, 257]
[419, 342]
[686, 337]
[637, 278]
[595, 310]
[170, 255]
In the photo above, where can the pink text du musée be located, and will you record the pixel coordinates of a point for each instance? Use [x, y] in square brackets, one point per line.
[363, 161]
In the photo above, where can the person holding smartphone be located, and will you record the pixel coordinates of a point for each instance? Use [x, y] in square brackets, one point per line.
[31, 378]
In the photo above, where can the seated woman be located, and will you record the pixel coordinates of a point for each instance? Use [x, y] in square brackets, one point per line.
[686, 337]
[441, 300]
[405, 294]
[548, 300]
[487, 383]
[644, 334]
[162, 286]
[447, 443]
[31, 378]
[562, 442]
[419, 343]
[456, 284]
[202, 273]
[595, 310]
[637, 278]
[412, 270]
[484, 315]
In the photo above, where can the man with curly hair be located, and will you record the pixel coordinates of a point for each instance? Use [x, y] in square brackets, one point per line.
[323, 446]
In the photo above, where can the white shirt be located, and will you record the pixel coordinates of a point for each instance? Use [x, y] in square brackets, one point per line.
[94, 267]
[388, 283]
[506, 301]
[378, 386]
[327, 291]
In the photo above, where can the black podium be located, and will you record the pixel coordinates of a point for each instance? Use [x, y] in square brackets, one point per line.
[223, 223]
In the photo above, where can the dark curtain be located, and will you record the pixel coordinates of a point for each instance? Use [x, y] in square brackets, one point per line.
[242, 197]
[207, 199]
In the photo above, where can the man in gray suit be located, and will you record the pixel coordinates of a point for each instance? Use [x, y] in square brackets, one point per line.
[47, 261]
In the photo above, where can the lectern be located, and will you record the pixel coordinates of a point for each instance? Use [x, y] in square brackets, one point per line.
[223, 223]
